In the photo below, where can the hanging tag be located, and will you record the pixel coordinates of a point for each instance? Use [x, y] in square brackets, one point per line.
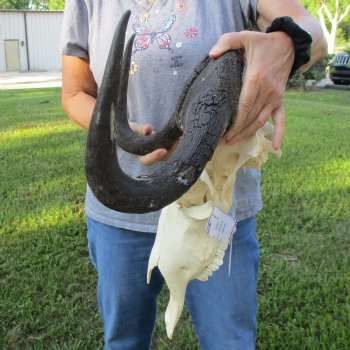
[221, 226]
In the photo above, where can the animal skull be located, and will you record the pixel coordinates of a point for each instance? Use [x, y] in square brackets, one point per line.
[183, 250]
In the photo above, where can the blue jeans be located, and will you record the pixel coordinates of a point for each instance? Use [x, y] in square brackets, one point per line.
[223, 309]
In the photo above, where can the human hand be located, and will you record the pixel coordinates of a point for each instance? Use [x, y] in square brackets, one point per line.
[157, 155]
[269, 61]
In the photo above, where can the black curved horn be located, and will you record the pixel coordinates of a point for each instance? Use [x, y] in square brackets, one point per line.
[207, 108]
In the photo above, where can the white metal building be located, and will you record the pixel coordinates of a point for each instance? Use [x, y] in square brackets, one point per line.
[29, 40]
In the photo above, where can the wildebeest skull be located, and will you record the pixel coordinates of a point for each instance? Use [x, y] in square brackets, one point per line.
[184, 249]
[206, 109]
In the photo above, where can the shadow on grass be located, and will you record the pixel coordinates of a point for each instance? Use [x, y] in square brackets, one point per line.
[48, 289]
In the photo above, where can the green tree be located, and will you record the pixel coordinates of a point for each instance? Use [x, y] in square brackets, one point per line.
[56, 4]
[330, 13]
[37, 5]
[14, 4]
[47, 4]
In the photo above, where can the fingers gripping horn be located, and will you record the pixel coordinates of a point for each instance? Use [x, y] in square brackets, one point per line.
[206, 109]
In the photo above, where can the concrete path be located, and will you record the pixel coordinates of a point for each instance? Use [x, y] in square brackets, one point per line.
[29, 80]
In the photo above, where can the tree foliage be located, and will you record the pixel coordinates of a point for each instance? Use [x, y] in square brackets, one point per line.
[331, 13]
[313, 6]
[14, 4]
[48, 4]
[38, 5]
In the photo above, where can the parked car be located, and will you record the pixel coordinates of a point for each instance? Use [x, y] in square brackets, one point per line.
[340, 69]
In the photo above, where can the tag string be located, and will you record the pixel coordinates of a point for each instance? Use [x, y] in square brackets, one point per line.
[229, 261]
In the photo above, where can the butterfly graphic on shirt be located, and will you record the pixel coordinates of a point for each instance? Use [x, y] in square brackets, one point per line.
[145, 35]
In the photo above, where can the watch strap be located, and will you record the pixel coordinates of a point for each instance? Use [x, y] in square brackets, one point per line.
[301, 39]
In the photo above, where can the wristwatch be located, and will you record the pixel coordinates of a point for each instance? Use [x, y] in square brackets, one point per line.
[301, 39]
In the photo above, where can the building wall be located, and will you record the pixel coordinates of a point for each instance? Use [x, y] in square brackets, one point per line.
[38, 34]
[12, 28]
[43, 40]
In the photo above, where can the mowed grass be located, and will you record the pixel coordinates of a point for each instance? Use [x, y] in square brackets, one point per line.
[48, 286]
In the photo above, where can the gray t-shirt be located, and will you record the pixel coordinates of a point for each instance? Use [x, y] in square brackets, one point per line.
[175, 38]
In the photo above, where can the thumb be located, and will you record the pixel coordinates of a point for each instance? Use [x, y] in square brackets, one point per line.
[151, 158]
[141, 129]
[147, 129]
[228, 41]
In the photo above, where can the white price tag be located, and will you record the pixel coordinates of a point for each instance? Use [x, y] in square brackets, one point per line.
[221, 226]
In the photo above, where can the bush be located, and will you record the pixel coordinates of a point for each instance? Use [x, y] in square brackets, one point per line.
[319, 70]
[316, 72]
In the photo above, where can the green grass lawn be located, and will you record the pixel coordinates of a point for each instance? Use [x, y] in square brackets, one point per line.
[47, 284]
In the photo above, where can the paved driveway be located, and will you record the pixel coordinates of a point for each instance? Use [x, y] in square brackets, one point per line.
[15, 80]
